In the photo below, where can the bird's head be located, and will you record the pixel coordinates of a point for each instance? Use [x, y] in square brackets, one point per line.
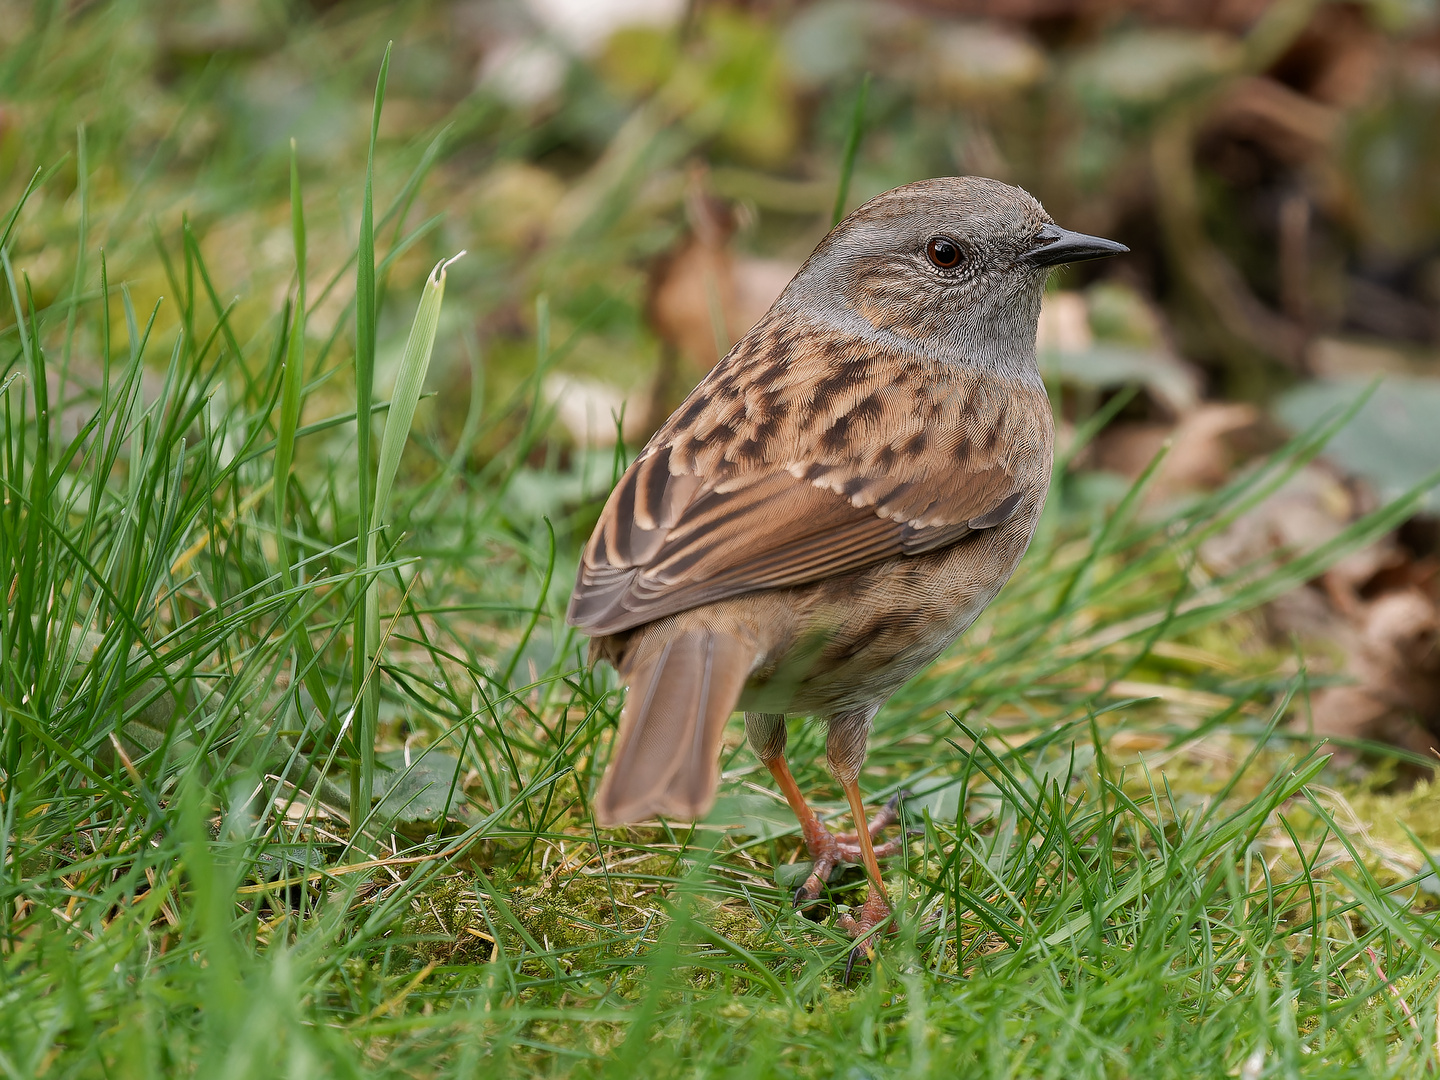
[954, 266]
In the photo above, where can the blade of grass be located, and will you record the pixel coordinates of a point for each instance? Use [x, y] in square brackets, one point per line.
[852, 148]
[414, 365]
[362, 770]
[82, 197]
[292, 396]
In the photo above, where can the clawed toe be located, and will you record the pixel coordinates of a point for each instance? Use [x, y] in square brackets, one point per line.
[811, 888]
[873, 912]
[848, 852]
[860, 956]
[883, 818]
[828, 850]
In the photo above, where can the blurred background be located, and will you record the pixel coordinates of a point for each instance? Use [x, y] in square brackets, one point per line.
[648, 173]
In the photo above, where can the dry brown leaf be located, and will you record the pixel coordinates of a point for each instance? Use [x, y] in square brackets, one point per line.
[1205, 447]
[1396, 667]
[704, 297]
[590, 408]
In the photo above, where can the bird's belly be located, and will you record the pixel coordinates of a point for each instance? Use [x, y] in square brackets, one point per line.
[865, 638]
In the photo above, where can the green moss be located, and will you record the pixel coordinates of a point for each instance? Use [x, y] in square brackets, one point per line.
[563, 914]
[446, 926]
[737, 923]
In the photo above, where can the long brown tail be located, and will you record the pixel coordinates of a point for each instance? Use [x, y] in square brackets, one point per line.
[682, 690]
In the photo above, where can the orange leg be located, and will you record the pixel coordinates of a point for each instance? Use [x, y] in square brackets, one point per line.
[810, 825]
[876, 908]
[867, 847]
[827, 850]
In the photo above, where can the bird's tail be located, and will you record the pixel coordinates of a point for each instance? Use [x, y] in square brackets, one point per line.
[682, 690]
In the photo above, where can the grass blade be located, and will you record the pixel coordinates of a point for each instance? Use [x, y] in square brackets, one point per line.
[852, 147]
[414, 365]
[362, 771]
[292, 395]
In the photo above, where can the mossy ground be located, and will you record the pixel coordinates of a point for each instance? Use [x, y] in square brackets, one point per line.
[1133, 863]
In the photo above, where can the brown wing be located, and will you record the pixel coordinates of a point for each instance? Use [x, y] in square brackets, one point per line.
[791, 465]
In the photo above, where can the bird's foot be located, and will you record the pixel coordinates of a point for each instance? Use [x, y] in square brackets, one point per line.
[873, 912]
[828, 850]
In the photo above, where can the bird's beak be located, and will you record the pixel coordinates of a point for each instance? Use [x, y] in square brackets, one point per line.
[1054, 245]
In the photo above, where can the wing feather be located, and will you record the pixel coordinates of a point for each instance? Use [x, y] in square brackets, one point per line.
[785, 468]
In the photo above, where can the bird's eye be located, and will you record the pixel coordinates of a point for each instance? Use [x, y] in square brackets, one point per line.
[944, 252]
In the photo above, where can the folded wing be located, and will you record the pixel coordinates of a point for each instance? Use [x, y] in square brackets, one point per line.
[783, 470]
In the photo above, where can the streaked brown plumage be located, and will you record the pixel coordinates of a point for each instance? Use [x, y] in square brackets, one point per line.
[833, 505]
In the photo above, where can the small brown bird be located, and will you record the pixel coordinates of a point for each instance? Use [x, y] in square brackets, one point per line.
[833, 505]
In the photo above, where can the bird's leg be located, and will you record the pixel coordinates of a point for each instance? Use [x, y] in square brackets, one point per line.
[767, 737]
[877, 905]
[845, 753]
[825, 850]
[887, 815]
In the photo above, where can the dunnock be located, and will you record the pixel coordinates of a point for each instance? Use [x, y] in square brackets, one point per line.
[831, 507]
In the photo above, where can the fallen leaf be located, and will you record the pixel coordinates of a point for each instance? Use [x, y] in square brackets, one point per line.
[753, 814]
[704, 298]
[981, 61]
[1146, 66]
[1068, 349]
[1393, 441]
[590, 409]
[1396, 667]
[415, 785]
[1205, 447]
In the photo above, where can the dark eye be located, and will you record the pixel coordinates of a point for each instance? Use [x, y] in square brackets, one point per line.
[944, 252]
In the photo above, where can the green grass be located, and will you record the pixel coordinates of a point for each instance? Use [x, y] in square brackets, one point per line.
[222, 617]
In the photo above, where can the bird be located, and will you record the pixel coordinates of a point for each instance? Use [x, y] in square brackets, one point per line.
[829, 509]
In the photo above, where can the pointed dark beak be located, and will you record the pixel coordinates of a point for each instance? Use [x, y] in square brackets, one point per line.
[1054, 246]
